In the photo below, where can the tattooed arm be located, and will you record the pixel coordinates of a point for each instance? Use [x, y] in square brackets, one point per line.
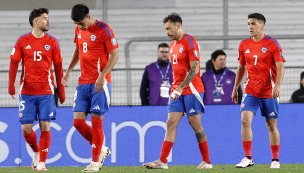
[191, 74]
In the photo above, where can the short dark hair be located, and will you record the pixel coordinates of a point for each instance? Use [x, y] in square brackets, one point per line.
[258, 16]
[79, 12]
[36, 13]
[216, 53]
[163, 45]
[173, 17]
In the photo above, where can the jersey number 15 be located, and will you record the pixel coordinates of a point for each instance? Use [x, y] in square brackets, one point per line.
[37, 54]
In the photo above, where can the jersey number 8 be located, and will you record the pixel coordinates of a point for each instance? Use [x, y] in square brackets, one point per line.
[85, 47]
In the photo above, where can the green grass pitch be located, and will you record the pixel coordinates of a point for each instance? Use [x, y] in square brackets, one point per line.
[258, 168]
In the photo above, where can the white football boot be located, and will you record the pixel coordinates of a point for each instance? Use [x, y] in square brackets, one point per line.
[245, 163]
[204, 165]
[41, 166]
[35, 160]
[158, 164]
[105, 152]
[275, 164]
[91, 168]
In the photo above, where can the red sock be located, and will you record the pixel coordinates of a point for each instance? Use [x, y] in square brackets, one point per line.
[44, 143]
[31, 139]
[275, 151]
[97, 140]
[247, 145]
[84, 129]
[204, 151]
[165, 151]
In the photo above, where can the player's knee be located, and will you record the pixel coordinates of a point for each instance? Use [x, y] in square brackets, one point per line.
[171, 124]
[272, 127]
[26, 131]
[245, 122]
[78, 123]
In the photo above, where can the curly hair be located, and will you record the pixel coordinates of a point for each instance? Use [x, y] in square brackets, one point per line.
[36, 13]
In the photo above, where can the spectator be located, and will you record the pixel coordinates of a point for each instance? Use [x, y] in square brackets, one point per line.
[157, 79]
[298, 95]
[219, 81]
[209, 65]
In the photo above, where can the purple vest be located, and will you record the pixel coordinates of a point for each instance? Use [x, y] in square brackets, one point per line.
[226, 84]
[155, 80]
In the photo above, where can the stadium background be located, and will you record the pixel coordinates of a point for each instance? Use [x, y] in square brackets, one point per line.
[212, 20]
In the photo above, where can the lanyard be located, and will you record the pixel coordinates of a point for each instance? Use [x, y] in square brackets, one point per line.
[161, 73]
[218, 83]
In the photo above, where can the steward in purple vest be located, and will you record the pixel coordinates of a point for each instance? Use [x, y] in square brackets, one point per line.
[157, 79]
[219, 81]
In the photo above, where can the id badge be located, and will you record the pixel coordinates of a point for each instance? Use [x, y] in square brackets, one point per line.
[165, 89]
[164, 92]
[217, 96]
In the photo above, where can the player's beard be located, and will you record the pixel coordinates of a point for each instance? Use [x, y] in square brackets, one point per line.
[44, 29]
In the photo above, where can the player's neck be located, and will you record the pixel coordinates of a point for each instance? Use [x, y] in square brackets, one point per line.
[181, 35]
[258, 37]
[38, 33]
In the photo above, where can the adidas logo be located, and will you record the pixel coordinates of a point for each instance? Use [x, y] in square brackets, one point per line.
[51, 114]
[45, 150]
[191, 111]
[79, 36]
[94, 146]
[272, 114]
[247, 51]
[28, 47]
[97, 107]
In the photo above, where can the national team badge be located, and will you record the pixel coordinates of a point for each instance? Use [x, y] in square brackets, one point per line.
[228, 81]
[114, 42]
[281, 54]
[264, 50]
[195, 53]
[93, 37]
[242, 105]
[20, 115]
[181, 49]
[47, 47]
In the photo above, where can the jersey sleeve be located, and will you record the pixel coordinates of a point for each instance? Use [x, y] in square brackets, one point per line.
[109, 39]
[241, 57]
[76, 35]
[192, 48]
[56, 52]
[16, 53]
[277, 51]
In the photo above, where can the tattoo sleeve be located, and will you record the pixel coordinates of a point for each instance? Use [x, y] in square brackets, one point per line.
[200, 135]
[191, 74]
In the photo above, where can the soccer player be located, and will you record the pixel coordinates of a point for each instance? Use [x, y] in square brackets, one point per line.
[37, 50]
[187, 92]
[262, 56]
[94, 40]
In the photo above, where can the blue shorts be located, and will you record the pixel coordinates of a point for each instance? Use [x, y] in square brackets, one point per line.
[269, 106]
[88, 101]
[189, 104]
[36, 107]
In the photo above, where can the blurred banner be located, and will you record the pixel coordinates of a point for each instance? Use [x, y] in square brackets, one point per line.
[135, 135]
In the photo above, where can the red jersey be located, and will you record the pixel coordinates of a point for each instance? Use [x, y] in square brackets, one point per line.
[181, 54]
[260, 59]
[94, 46]
[37, 55]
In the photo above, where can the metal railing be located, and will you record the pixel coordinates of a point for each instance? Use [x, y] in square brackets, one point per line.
[119, 95]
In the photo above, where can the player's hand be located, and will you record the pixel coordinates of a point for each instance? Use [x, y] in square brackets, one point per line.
[13, 96]
[276, 91]
[64, 80]
[234, 96]
[175, 94]
[99, 84]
